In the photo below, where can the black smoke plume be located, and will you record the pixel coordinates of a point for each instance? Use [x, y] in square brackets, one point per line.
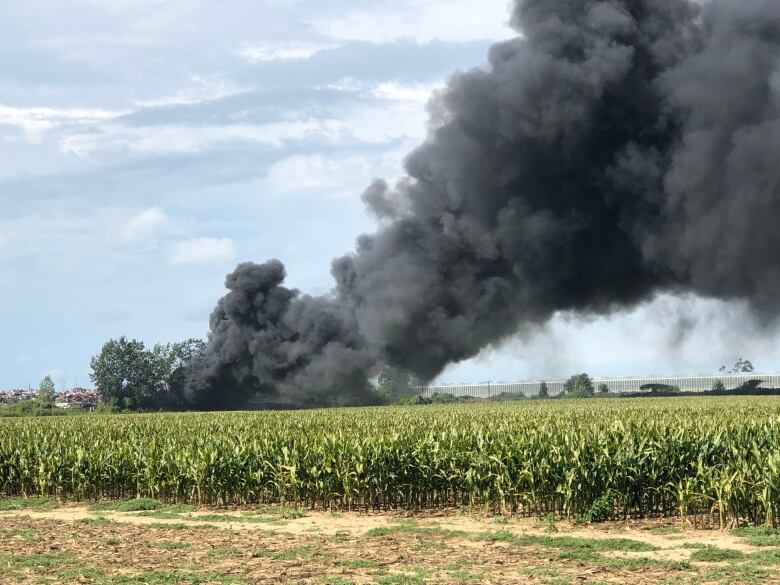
[615, 149]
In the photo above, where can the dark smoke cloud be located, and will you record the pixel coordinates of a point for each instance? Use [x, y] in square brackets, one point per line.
[617, 149]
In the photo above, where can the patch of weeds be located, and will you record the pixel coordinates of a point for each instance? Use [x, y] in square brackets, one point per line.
[602, 507]
[500, 520]
[637, 563]
[178, 508]
[169, 525]
[80, 573]
[183, 526]
[412, 528]
[171, 545]
[714, 554]
[36, 560]
[232, 518]
[341, 536]
[160, 515]
[549, 522]
[556, 581]
[134, 505]
[415, 578]
[112, 541]
[466, 576]
[224, 551]
[98, 521]
[26, 534]
[174, 578]
[747, 573]
[336, 514]
[291, 554]
[766, 557]
[400, 580]
[599, 544]
[358, 564]
[694, 545]
[758, 535]
[427, 545]
[580, 554]
[33, 503]
[666, 529]
[498, 536]
[539, 571]
[568, 542]
[167, 511]
[631, 564]
[281, 511]
[335, 580]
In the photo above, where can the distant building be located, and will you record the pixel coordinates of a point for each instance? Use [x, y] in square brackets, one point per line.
[615, 385]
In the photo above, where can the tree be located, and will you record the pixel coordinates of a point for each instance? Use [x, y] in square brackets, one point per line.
[124, 374]
[185, 352]
[748, 387]
[718, 386]
[579, 386]
[603, 388]
[740, 366]
[393, 384]
[130, 377]
[543, 392]
[46, 391]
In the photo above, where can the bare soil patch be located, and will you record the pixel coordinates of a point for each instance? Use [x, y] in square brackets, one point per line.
[75, 544]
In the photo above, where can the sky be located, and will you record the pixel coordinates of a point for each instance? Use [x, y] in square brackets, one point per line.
[147, 146]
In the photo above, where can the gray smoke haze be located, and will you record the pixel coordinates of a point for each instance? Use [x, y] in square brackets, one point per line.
[614, 150]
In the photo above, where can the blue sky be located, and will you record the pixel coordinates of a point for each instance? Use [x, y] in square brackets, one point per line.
[147, 146]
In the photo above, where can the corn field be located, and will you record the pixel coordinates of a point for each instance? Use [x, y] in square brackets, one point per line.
[597, 459]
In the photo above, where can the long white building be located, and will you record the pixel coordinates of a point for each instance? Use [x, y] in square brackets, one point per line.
[615, 385]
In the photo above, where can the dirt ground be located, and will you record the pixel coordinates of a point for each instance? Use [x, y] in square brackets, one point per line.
[48, 542]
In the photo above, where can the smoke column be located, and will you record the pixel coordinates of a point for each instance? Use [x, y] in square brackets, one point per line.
[614, 150]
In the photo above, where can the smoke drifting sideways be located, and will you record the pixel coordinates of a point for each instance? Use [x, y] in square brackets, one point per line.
[614, 150]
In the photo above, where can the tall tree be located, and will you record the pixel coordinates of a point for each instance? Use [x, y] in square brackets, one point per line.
[131, 377]
[393, 383]
[579, 386]
[740, 366]
[46, 391]
[543, 392]
[718, 386]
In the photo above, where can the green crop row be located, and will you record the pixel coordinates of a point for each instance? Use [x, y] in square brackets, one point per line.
[596, 459]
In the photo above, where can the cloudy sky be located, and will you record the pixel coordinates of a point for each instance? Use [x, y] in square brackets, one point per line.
[149, 145]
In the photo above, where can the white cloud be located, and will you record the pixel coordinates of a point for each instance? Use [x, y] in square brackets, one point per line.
[281, 52]
[414, 92]
[143, 225]
[201, 91]
[62, 239]
[423, 21]
[373, 125]
[175, 138]
[389, 90]
[34, 121]
[298, 173]
[202, 251]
